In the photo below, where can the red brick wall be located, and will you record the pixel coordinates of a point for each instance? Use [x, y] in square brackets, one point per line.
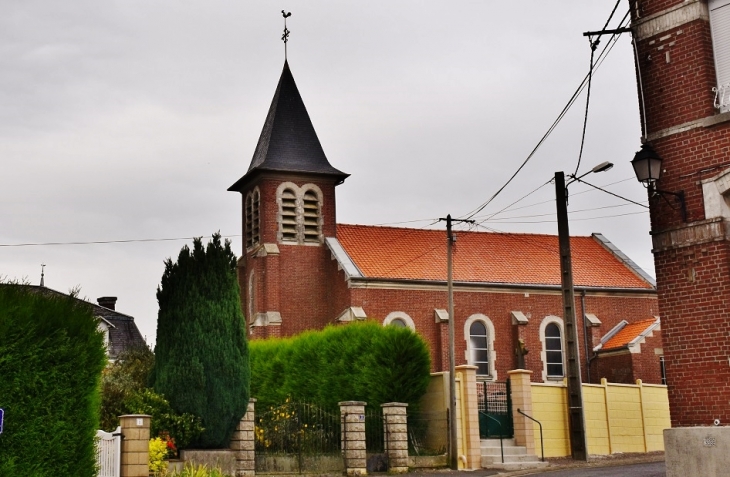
[626, 367]
[693, 282]
[617, 368]
[295, 283]
[420, 305]
[650, 7]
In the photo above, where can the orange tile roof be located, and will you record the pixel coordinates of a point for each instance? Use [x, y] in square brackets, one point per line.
[486, 257]
[627, 334]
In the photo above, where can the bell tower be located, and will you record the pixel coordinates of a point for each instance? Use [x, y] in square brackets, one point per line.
[288, 196]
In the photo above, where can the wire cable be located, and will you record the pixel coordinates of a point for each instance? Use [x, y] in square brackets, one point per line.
[601, 57]
[609, 192]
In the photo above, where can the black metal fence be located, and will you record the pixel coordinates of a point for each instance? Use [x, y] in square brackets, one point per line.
[428, 433]
[297, 437]
[375, 438]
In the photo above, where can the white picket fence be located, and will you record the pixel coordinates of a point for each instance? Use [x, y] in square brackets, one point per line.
[108, 452]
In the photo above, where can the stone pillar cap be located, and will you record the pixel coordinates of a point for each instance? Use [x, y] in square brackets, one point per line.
[519, 371]
[394, 404]
[135, 415]
[352, 403]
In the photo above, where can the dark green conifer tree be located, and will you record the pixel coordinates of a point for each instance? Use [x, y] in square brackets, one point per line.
[201, 354]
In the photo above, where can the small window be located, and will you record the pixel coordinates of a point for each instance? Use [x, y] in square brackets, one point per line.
[553, 351]
[479, 351]
[398, 323]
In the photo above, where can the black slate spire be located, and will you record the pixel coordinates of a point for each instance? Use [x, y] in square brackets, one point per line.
[288, 142]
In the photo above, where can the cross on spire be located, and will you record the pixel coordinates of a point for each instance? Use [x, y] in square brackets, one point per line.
[285, 36]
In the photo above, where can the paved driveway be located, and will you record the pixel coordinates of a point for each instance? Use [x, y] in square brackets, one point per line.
[652, 469]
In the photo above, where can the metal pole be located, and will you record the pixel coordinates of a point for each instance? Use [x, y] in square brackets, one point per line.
[575, 391]
[453, 450]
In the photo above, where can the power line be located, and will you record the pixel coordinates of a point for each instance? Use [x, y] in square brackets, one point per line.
[606, 49]
[94, 242]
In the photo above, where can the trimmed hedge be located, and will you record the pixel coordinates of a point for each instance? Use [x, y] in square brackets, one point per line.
[51, 359]
[359, 361]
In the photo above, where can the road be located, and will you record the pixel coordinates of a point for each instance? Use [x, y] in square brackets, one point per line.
[652, 469]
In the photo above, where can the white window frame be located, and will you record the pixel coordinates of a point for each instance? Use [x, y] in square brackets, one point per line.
[400, 315]
[491, 354]
[543, 352]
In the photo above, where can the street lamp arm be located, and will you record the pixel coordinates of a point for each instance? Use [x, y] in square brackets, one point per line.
[578, 179]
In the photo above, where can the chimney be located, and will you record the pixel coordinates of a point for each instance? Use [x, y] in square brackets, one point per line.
[107, 301]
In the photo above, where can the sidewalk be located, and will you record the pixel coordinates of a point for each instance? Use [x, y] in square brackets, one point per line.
[554, 464]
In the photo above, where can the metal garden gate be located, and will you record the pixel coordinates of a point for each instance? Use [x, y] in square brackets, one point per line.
[495, 409]
[108, 452]
[297, 438]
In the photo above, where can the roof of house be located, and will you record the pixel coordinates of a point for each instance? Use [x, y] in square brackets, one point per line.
[123, 332]
[288, 141]
[625, 334]
[481, 257]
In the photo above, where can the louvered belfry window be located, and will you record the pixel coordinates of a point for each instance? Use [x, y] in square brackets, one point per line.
[253, 223]
[310, 209]
[288, 216]
[720, 27]
[300, 215]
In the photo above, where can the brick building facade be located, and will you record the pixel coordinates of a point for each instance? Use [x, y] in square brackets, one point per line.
[683, 71]
[300, 270]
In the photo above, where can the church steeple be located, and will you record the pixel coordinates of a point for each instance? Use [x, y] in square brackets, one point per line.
[288, 141]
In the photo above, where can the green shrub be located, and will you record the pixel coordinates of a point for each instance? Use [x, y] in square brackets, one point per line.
[182, 428]
[158, 454]
[201, 355]
[127, 376]
[51, 359]
[360, 361]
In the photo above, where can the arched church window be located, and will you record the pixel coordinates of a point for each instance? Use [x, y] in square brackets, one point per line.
[479, 349]
[553, 351]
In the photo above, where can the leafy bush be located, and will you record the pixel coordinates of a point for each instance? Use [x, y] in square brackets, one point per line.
[182, 428]
[360, 361]
[158, 454]
[201, 352]
[128, 375]
[51, 359]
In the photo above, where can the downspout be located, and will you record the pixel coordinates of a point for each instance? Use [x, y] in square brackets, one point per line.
[585, 334]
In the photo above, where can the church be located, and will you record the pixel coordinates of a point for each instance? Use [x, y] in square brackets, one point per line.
[301, 270]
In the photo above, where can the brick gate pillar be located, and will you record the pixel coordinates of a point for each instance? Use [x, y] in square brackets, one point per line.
[135, 445]
[522, 400]
[395, 421]
[352, 420]
[243, 442]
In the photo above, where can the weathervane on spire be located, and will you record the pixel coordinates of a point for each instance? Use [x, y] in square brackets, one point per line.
[285, 36]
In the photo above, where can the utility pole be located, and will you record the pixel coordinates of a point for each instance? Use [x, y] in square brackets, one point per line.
[575, 391]
[450, 239]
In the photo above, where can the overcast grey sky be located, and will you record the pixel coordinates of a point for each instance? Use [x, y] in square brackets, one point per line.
[125, 120]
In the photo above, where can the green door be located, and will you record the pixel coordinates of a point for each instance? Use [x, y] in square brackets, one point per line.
[495, 410]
